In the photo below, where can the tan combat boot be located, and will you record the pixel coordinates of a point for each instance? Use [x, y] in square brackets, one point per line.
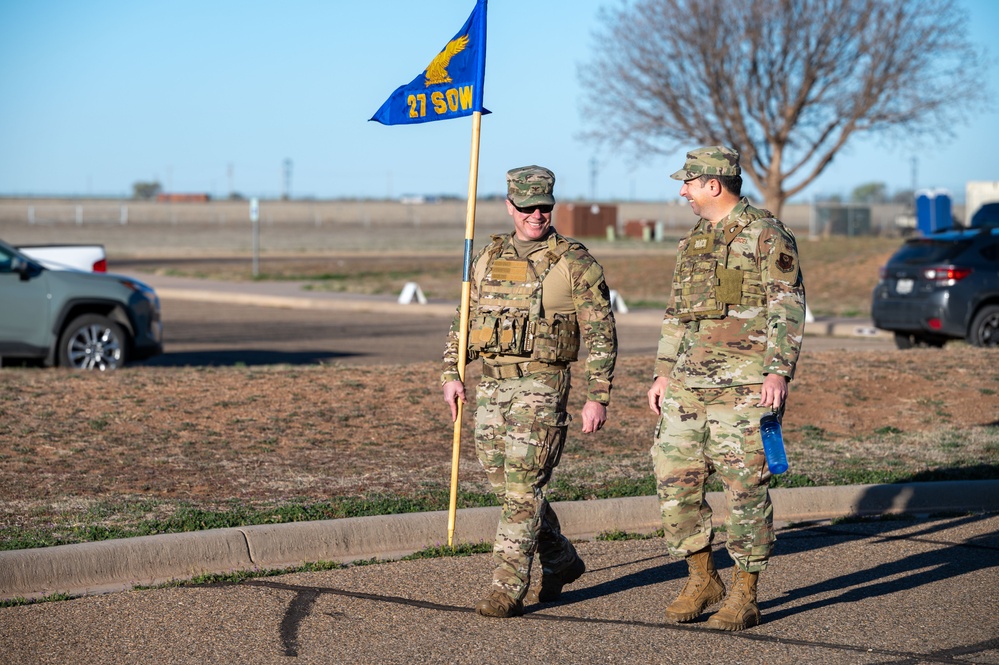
[739, 611]
[703, 588]
[500, 605]
[551, 585]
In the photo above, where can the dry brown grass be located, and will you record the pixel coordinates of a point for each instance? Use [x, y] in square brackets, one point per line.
[264, 436]
[164, 437]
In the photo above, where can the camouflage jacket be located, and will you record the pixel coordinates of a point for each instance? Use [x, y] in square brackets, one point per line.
[751, 340]
[590, 297]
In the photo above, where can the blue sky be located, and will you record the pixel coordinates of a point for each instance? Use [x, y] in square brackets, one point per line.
[208, 95]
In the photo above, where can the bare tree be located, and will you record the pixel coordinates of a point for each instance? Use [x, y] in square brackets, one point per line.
[786, 82]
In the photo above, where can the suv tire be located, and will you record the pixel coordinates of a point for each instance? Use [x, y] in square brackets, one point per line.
[912, 341]
[984, 330]
[92, 341]
[903, 341]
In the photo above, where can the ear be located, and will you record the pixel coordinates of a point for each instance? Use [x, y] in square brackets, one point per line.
[509, 207]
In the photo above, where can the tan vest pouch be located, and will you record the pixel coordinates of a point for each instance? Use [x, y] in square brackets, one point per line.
[498, 334]
[697, 289]
[753, 294]
[556, 340]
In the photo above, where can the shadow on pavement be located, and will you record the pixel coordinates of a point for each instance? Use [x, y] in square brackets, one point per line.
[980, 553]
[244, 357]
[670, 569]
[949, 559]
[911, 572]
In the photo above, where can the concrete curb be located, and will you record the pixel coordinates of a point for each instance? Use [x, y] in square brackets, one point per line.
[303, 302]
[846, 329]
[114, 565]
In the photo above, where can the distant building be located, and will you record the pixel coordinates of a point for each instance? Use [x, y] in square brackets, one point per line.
[166, 197]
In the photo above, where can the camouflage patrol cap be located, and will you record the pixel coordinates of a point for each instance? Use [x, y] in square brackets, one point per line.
[712, 160]
[530, 186]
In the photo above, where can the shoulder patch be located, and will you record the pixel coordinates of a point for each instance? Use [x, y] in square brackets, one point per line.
[784, 258]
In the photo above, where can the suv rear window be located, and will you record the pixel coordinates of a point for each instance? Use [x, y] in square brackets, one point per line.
[990, 252]
[920, 251]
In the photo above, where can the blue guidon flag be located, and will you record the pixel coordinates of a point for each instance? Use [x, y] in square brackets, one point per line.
[450, 86]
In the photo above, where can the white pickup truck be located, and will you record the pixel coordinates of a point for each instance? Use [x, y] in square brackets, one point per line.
[88, 258]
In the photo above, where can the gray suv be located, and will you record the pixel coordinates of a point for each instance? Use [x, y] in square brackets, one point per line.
[74, 319]
[940, 287]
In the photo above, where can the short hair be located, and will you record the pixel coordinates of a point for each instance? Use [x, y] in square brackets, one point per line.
[731, 183]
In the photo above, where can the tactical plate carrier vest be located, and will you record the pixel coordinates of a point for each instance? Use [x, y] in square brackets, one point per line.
[509, 320]
[705, 285]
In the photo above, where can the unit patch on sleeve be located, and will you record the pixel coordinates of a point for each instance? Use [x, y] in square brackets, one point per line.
[784, 260]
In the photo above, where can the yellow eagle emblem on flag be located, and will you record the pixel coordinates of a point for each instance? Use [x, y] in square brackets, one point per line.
[436, 71]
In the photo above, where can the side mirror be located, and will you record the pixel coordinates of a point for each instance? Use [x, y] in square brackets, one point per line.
[26, 269]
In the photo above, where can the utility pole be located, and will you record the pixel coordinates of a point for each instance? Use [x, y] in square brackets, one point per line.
[287, 180]
[593, 178]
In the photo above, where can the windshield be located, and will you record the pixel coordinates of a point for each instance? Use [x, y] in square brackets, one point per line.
[6, 259]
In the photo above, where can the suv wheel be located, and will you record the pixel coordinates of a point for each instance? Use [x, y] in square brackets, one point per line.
[92, 341]
[984, 330]
[903, 340]
[910, 341]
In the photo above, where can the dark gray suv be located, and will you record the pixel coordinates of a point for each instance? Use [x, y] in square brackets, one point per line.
[83, 320]
[940, 287]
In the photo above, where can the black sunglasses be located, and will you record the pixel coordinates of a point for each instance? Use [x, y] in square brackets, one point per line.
[529, 210]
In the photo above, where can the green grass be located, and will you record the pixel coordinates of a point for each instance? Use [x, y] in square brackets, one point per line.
[818, 458]
[625, 535]
[126, 519]
[657, 305]
[18, 600]
[466, 549]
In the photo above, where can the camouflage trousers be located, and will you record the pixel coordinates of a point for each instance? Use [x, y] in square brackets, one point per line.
[714, 430]
[520, 428]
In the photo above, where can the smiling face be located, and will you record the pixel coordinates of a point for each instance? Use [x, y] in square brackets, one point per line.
[697, 193]
[531, 222]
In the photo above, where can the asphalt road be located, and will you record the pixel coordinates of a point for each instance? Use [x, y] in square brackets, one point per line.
[207, 333]
[200, 333]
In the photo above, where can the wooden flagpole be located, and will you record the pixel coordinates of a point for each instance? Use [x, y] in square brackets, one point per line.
[466, 290]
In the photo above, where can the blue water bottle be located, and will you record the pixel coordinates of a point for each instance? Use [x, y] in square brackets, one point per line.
[773, 443]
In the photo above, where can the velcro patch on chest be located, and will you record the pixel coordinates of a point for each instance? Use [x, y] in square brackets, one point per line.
[509, 270]
[703, 243]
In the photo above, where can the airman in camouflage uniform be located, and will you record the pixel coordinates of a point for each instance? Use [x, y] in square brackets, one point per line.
[534, 296]
[730, 340]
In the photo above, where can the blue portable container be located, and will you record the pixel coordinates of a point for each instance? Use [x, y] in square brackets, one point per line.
[933, 211]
